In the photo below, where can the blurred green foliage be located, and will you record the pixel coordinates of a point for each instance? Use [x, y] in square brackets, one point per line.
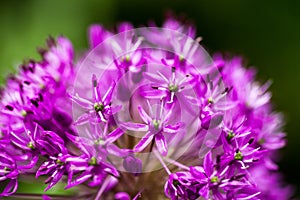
[266, 33]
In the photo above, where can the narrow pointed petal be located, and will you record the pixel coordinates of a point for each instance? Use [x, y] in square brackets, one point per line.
[81, 101]
[108, 95]
[161, 144]
[143, 143]
[83, 119]
[116, 151]
[154, 78]
[208, 163]
[145, 117]
[173, 128]
[113, 136]
[153, 94]
[135, 126]
[80, 179]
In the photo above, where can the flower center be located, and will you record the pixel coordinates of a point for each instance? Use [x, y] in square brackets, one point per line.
[93, 161]
[30, 145]
[261, 141]
[59, 162]
[214, 179]
[98, 107]
[238, 155]
[23, 113]
[156, 124]
[176, 182]
[210, 100]
[173, 88]
[181, 58]
[7, 169]
[230, 135]
[99, 142]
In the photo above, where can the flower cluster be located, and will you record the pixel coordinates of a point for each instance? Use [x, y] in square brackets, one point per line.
[145, 113]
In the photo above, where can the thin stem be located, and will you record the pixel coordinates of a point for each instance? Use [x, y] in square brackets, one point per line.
[37, 196]
[102, 188]
[162, 162]
[148, 156]
[174, 162]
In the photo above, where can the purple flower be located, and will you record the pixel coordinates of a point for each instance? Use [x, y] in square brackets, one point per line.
[56, 166]
[209, 181]
[182, 185]
[90, 169]
[8, 171]
[98, 109]
[156, 125]
[163, 87]
[93, 163]
[132, 164]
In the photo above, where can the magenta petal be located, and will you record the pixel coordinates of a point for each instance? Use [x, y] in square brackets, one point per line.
[161, 144]
[169, 113]
[116, 151]
[80, 179]
[115, 109]
[83, 119]
[208, 163]
[145, 117]
[80, 101]
[153, 94]
[55, 179]
[135, 126]
[113, 136]
[172, 128]
[10, 188]
[96, 35]
[204, 192]
[108, 95]
[143, 143]
[154, 78]
[122, 196]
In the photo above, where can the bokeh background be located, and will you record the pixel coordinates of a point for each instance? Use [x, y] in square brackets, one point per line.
[265, 33]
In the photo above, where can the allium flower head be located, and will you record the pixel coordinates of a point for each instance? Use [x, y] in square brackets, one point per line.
[144, 114]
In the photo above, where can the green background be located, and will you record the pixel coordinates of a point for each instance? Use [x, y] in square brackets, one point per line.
[266, 33]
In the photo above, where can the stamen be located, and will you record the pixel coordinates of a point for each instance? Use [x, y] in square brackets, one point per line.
[171, 98]
[102, 117]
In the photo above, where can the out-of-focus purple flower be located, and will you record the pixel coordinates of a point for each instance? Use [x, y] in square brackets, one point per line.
[132, 164]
